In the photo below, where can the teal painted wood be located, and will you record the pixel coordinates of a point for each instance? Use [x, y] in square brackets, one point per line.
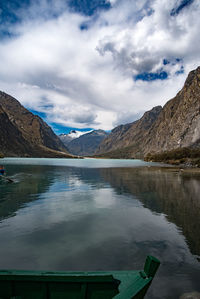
[77, 285]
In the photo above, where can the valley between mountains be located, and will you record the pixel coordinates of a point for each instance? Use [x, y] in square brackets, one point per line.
[170, 133]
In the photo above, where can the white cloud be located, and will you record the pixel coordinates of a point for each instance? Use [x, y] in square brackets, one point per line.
[85, 78]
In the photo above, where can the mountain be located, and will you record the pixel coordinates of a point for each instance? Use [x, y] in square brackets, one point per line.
[11, 139]
[73, 134]
[65, 138]
[86, 144]
[125, 140]
[26, 134]
[176, 125]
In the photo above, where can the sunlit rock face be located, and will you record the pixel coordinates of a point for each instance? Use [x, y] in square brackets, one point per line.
[176, 125]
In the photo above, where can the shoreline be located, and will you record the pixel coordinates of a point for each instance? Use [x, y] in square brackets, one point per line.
[181, 168]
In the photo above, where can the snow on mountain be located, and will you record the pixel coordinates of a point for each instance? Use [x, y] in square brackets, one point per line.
[73, 134]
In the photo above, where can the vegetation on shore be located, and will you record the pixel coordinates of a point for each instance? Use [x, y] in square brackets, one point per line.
[1, 155]
[186, 156]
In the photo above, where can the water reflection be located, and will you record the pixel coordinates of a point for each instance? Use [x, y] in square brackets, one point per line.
[28, 183]
[67, 218]
[176, 194]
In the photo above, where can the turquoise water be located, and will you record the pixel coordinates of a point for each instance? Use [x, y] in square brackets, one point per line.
[85, 163]
[91, 214]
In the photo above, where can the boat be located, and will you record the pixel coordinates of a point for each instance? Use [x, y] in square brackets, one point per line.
[78, 285]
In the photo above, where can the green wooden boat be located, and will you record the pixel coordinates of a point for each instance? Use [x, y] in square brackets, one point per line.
[16, 284]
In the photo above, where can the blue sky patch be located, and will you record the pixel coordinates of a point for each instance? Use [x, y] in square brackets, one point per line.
[84, 26]
[58, 128]
[89, 7]
[165, 62]
[175, 11]
[87, 24]
[181, 71]
[9, 15]
[40, 114]
[151, 76]
[61, 129]
[10, 11]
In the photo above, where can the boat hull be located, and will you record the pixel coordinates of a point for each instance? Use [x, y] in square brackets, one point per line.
[74, 285]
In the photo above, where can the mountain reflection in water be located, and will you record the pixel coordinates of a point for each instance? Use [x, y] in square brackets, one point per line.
[176, 194]
[76, 218]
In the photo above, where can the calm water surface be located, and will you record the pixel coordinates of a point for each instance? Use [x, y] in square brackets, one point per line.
[102, 215]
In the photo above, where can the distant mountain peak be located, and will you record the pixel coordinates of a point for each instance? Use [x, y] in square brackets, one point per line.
[73, 134]
[76, 134]
[193, 75]
[83, 143]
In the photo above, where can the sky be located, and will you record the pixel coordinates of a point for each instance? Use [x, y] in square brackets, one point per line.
[96, 64]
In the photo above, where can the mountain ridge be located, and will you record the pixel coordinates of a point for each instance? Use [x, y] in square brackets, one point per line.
[26, 134]
[73, 134]
[86, 144]
[176, 125]
[123, 136]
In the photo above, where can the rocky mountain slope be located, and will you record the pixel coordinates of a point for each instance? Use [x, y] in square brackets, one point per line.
[130, 136]
[10, 137]
[25, 134]
[176, 125]
[87, 144]
[65, 138]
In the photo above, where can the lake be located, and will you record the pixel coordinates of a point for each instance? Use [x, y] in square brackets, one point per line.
[95, 214]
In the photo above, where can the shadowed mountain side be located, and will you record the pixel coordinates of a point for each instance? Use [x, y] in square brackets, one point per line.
[65, 138]
[166, 192]
[25, 134]
[87, 144]
[176, 125]
[11, 138]
[121, 153]
[130, 135]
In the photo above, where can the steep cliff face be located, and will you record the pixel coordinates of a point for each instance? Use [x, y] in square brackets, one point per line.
[11, 139]
[25, 134]
[131, 135]
[87, 144]
[176, 125]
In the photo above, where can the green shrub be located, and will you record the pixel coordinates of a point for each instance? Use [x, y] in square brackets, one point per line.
[177, 156]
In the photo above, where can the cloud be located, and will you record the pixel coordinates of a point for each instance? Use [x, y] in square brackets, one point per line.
[143, 47]
[86, 78]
